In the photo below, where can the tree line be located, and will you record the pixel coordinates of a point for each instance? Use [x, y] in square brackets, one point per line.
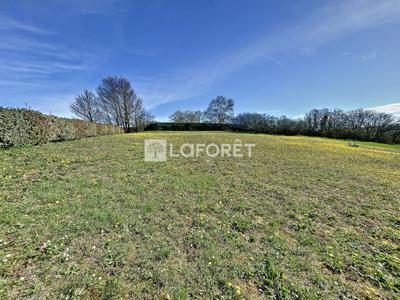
[359, 124]
[114, 102]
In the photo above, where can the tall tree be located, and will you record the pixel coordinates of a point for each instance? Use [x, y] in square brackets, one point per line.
[141, 117]
[117, 98]
[86, 106]
[220, 110]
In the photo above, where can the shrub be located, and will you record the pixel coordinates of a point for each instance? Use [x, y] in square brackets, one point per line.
[21, 126]
[24, 126]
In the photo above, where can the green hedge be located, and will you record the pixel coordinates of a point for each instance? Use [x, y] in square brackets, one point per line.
[172, 126]
[24, 126]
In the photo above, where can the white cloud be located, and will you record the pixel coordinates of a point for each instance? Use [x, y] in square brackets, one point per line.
[15, 43]
[393, 108]
[7, 23]
[40, 69]
[27, 60]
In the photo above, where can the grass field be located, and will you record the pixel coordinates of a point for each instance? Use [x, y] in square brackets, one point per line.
[302, 218]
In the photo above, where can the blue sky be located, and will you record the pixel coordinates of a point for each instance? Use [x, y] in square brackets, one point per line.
[277, 57]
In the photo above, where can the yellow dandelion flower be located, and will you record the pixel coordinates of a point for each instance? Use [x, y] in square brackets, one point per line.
[238, 290]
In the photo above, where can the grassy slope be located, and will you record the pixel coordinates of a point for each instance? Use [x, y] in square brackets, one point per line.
[303, 217]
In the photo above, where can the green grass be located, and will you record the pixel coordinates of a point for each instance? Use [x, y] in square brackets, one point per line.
[303, 217]
[376, 145]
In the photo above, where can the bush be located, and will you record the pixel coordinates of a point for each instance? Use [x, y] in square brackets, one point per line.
[24, 126]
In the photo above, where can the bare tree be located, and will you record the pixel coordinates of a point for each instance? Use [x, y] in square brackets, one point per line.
[220, 110]
[141, 117]
[116, 103]
[117, 98]
[86, 106]
[178, 117]
[255, 121]
[188, 116]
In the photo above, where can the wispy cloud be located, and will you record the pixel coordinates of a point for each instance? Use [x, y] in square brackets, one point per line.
[28, 58]
[7, 23]
[32, 48]
[393, 108]
[319, 28]
[38, 68]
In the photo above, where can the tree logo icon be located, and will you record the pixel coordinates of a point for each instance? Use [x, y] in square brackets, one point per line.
[155, 150]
